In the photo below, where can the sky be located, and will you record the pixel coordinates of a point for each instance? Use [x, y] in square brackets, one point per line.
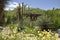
[42, 4]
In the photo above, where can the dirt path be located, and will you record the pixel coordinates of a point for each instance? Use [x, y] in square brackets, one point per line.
[58, 38]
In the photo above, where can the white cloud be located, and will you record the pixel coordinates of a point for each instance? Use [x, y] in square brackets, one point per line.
[11, 6]
[8, 9]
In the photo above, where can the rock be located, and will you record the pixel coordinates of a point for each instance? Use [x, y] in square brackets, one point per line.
[58, 32]
[1, 28]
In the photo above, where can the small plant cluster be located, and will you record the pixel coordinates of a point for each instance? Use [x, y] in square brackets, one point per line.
[35, 34]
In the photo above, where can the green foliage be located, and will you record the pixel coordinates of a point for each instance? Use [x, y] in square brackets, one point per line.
[51, 18]
[54, 15]
[33, 30]
[10, 17]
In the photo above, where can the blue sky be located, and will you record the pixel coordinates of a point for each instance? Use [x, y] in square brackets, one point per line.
[42, 4]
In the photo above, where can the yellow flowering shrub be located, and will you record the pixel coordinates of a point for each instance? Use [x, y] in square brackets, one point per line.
[8, 34]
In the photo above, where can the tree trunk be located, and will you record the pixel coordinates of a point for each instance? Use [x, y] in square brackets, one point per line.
[2, 5]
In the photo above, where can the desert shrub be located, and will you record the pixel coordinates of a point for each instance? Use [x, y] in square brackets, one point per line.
[34, 34]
